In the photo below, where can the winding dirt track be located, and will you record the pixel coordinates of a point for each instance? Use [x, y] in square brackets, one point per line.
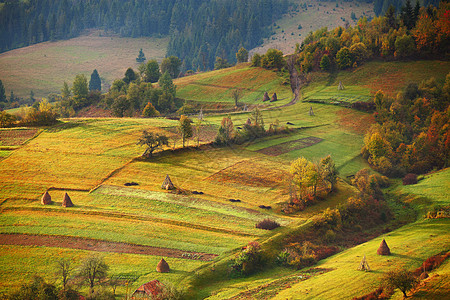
[96, 245]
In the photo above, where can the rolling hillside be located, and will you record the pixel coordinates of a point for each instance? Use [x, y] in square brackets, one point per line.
[43, 68]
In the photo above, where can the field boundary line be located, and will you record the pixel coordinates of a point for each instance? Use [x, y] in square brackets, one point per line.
[132, 217]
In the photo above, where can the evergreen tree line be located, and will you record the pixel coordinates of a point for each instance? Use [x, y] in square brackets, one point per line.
[199, 30]
[381, 6]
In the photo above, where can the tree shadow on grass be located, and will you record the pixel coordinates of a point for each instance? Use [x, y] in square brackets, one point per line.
[402, 256]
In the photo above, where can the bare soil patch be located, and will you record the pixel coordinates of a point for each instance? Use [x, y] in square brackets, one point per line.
[97, 245]
[290, 146]
[16, 137]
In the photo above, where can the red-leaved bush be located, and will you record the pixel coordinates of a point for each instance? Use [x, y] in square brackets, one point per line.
[410, 179]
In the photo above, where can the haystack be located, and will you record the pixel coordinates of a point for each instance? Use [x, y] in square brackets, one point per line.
[340, 86]
[364, 266]
[274, 97]
[66, 201]
[163, 266]
[249, 122]
[167, 184]
[46, 199]
[266, 97]
[383, 249]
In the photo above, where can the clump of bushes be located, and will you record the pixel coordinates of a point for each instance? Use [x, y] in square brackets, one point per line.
[410, 179]
[248, 261]
[267, 224]
[431, 263]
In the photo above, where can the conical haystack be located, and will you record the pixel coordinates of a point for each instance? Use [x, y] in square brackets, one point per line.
[274, 97]
[383, 249]
[340, 86]
[266, 97]
[364, 266]
[167, 184]
[46, 199]
[66, 201]
[249, 122]
[163, 266]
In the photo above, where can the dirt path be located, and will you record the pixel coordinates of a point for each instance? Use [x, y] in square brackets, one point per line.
[97, 245]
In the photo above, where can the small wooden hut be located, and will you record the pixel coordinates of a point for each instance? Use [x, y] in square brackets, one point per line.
[274, 97]
[384, 249]
[163, 266]
[150, 290]
[167, 184]
[46, 199]
[266, 97]
[67, 202]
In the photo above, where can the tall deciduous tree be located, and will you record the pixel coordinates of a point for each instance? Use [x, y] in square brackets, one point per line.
[236, 94]
[225, 135]
[400, 279]
[172, 65]
[95, 84]
[185, 128]
[80, 87]
[152, 141]
[242, 55]
[64, 269]
[92, 270]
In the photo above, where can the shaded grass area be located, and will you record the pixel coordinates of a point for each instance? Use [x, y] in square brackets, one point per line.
[30, 261]
[43, 68]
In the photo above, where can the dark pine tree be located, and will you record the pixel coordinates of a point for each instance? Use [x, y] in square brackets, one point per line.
[95, 84]
[2, 93]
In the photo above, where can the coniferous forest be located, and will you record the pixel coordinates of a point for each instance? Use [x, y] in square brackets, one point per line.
[199, 30]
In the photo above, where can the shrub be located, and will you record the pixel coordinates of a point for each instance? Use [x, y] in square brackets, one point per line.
[267, 224]
[403, 280]
[249, 261]
[410, 179]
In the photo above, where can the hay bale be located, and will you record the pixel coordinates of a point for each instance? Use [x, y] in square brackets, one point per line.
[67, 202]
[167, 184]
[46, 199]
[266, 97]
[163, 266]
[383, 249]
[274, 97]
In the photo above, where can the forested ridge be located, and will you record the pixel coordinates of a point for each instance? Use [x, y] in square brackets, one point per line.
[199, 30]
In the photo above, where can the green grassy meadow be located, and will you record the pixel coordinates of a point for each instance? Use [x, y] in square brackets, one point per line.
[93, 158]
[43, 68]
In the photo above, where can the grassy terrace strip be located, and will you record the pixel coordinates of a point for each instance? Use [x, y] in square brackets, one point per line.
[134, 231]
[97, 245]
